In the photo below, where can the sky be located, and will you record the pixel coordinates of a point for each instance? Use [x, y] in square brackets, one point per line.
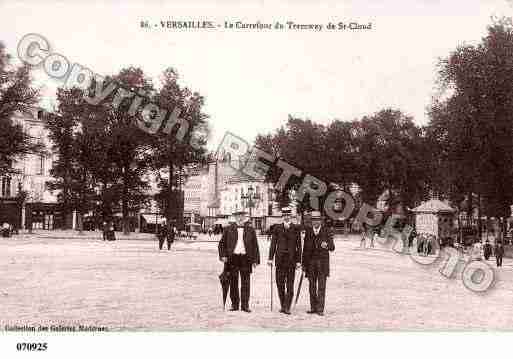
[253, 79]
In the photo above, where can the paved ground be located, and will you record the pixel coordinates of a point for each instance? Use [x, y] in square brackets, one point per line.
[130, 285]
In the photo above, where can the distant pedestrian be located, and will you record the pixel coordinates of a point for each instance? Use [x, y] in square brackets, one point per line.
[499, 253]
[105, 230]
[420, 244]
[373, 236]
[364, 236]
[162, 234]
[111, 234]
[170, 236]
[487, 250]
[6, 230]
[411, 237]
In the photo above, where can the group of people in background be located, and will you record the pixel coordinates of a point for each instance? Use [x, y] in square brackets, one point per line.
[166, 233]
[488, 250]
[240, 253]
[108, 231]
[425, 244]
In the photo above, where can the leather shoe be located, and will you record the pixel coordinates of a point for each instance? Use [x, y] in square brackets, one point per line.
[321, 313]
[233, 309]
[247, 310]
[312, 312]
[287, 312]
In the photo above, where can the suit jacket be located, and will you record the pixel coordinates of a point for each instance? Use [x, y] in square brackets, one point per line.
[312, 248]
[487, 249]
[229, 241]
[499, 251]
[285, 242]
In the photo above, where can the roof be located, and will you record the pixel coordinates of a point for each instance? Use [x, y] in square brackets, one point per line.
[434, 206]
[243, 177]
[153, 218]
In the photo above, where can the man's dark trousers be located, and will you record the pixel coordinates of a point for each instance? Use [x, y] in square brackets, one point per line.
[170, 239]
[499, 260]
[239, 265]
[317, 282]
[285, 274]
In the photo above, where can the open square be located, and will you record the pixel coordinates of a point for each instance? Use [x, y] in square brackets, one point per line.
[131, 285]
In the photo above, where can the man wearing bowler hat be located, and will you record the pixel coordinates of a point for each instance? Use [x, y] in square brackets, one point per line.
[238, 249]
[316, 261]
[285, 249]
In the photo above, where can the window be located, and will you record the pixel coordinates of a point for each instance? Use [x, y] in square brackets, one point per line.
[6, 187]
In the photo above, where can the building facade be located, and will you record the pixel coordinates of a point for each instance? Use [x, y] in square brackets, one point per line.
[31, 172]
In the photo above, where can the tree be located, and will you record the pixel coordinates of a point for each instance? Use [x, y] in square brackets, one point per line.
[390, 151]
[129, 148]
[472, 120]
[300, 143]
[172, 151]
[385, 151]
[73, 169]
[16, 96]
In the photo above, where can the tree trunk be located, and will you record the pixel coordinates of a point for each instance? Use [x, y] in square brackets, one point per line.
[170, 198]
[124, 203]
[469, 209]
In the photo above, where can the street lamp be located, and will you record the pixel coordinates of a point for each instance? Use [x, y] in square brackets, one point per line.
[250, 200]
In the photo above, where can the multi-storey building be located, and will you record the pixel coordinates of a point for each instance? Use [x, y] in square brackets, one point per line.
[195, 194]
[31, 172]
[210, 193]
[228, 189]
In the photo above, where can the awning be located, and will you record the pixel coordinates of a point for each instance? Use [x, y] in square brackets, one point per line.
[152, 218]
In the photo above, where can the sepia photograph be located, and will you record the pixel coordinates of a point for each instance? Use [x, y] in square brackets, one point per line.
[218, 167]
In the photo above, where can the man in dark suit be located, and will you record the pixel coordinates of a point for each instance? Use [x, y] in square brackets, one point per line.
[499, 253]
[105, 230]
[316, 261]
[163, 234]
[238, 248]
[285, 249]
[487, 250]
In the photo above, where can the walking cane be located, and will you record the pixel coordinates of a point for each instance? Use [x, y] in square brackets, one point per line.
[271, 287]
